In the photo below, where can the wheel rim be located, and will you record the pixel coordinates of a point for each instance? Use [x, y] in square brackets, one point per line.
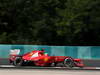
[18, 62]
[68, 62]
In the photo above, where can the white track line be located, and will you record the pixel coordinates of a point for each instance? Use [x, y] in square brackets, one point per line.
[10, 66]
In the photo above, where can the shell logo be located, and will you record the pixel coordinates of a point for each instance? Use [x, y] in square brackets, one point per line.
[45, 59]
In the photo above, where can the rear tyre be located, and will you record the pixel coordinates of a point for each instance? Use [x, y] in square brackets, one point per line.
[18, 61]
[69, 63]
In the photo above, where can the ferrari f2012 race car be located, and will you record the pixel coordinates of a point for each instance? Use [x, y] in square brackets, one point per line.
[40, 58]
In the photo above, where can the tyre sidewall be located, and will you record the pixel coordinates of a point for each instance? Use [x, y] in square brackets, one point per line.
[68, 62]
[18, 61]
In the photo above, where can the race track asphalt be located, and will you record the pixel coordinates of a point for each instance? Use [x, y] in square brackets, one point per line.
[47, 72]
[50, 68]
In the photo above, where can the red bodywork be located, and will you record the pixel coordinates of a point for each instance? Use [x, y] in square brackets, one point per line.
[39, 58]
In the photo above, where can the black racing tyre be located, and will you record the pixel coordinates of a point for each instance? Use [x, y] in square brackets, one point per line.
[18, 61]
[69, 63]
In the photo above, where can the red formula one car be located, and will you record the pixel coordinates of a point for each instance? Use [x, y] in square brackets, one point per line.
[40, 58]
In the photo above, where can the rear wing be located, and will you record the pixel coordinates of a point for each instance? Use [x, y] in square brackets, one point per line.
[15, 52]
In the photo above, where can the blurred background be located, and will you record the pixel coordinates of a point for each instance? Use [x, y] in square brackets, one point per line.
[50, 22]
[62, 27]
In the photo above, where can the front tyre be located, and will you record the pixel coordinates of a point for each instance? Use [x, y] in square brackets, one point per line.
[69, 63]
